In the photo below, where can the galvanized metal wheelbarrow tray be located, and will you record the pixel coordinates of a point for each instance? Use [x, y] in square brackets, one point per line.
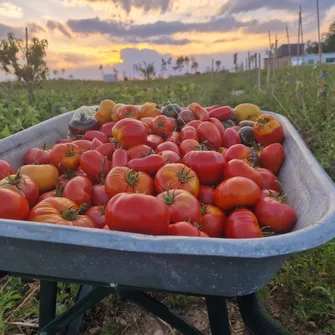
[209, 267]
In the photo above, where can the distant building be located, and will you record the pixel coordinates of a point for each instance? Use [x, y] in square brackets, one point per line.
[312, 59]
[283, 55]
[110, 78]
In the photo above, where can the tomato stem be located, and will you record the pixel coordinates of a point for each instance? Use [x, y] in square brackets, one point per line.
[170, 198]
[70, 214]
[132, 177]
[184, 177]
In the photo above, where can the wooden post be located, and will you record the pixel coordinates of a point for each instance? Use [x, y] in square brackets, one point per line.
[298, 52]
[249, 61]
[259, 73]
[27, 44]
[269, 64]
[289, 45]
[246, 64]
[256, 65]
[319, 35]
[302, 37]
[276, 56]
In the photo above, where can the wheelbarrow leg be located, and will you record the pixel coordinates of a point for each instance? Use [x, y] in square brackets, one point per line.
[160, 310]
[48, 295]
[73, 327]
[256, 318]
[218, 315]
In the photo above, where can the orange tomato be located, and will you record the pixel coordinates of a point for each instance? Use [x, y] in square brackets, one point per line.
[127, 111]
[66, 154]
[149, 110]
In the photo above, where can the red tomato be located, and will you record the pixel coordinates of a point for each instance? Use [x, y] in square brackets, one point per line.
[237, 191]
[107, 128]
[173, 122]
[97, 216]
[168, 146]
[149, 164]
[84, 145]
[107, 150]
[60, 211]
[99, 195]
[218, 125]
[177, 176]
[39, 156]
[120, 158]
[270, 181]
[187, 146]
[212, 221]
[184, 117]
[222, 151]
[14, 205]
[129, 132]
[92, 134]
[96, 144]
[230, 138]
[195, 124]
[78, 189]
[127, 111]
[242, 223]
[210, 108]
[272, 157]
[209, 133]
[67, 154]
[138, 151]
[123, 179]
[199, 112]
[239, 168]
[185, 229]
[67, 140]
[268, 193]
[106, 228]
[221, 113]
[5, 169]
[173, 137]
[208, 165]
[268, 130]
[170, 156]
[236, 128]
[272, 213]
[153, 141]
[183, 206]
[148, 121]
[206, 195]
[137, 213]
[95, 165]
[162, 125]
[51, 194]
[188, 133]
[22, 184]
[240, 151]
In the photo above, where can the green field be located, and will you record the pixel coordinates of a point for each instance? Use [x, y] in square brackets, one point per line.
[302, 295]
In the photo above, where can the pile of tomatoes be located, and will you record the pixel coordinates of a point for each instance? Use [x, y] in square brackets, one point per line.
[195, 171]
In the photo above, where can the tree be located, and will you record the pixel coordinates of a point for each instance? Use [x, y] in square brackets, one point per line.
[187, 62]
[101, 68]
[194, 65]
[147, 70]
[218, 65]
[179, 64]
[24, 60]
[63, 71]
[236, 61]
[70, 76]
[169, 61]
[312, 47]
[163, 66]
[116, 72]
[329, 43]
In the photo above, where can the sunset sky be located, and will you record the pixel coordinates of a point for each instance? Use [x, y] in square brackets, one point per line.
[83, 34]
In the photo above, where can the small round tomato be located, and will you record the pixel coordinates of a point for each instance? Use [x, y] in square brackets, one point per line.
[242, 223]
[237, 191]
[170, 156]
[168, 146]
[162, 125]
[187, 146]
[138, 151]
[208, 165]
[183, 206]
[129, 132]
[239, 168]
[99, 195]
[5, 169]
[153, 141]
[185, 229]
[212, 221]
[95, 165]
[92, 134]
[177, 176]
[240, 151]
[270, 181]
[206, 195]
[280, 217]
[36, 155]
[209, 133]
[60, 211]
[14, 205]
[97, 216]
[272, 157]
[123, 179]
[268, 130]
[127, 111]
[137, 213]
[78, 189]
[67, 154]
[188, 133]
[23, 185]
[230, 138]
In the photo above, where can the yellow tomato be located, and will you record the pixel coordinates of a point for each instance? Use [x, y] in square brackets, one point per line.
[247, 112]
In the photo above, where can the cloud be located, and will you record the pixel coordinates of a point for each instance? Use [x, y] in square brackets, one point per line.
[74, 58]
[146, 5]
[35, 28]
[54, 25]
[256, 27]
[11, 11]
[225, 40]
[5, 30]
[163, 40]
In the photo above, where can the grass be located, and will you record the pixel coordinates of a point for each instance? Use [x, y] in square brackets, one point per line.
[302, 295]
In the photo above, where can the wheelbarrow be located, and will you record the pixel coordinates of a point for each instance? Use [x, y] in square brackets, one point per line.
[107, 262]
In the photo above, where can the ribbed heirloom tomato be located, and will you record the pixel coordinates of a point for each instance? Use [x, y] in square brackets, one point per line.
[184, 228]
[14, 205]
[177, 176]
[60, 211]
[212, 221]
[127, 111]
[137, 213]
[123, 179]
[183, 206]
[67, 154]
[162, 125]
[268, 130]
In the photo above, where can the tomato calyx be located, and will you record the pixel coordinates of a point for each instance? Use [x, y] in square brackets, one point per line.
[149, 153]
[132, 177]
[118, 144]
[70, 153]
[184, 177]
[267, 231]
[160, 124]
[170, 198]
[83, 117]
[83, 208]
[281, 197]
[14, 180]
[202, 147]
[203, 209]
[43, 146]
[68, 172]
[102, 175]
[70, 214]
